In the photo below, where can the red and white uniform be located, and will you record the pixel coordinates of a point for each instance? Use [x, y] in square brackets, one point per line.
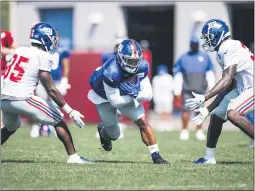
[20, 81]
[6, 41]
[233, 52]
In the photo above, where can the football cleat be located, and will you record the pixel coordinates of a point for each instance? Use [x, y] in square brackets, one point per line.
[78, 160]
[106, 144]
[157, 159]
[205, 161]
[200, 135]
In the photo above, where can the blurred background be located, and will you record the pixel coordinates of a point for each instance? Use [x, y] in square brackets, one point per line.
[91, 29]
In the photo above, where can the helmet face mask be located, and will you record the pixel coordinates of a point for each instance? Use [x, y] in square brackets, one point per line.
[207, 45]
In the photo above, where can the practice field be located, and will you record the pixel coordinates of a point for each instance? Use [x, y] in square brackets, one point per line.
[41, 163]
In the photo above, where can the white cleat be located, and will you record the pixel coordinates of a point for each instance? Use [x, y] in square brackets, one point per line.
[205, 161]
[200, 135]
[35, 131]
[184, 135]
[76, 159]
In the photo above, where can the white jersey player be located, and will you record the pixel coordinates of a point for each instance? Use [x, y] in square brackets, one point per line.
[28, 66]
[235, 97]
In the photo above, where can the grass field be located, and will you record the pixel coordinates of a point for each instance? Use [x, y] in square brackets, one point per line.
[41, 163]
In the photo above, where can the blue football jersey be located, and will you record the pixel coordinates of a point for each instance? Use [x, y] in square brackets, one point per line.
[112, 74]
[57, 70]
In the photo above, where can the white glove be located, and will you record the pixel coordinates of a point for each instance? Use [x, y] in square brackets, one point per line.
[76, 117]
[195, 102]
[203, 113]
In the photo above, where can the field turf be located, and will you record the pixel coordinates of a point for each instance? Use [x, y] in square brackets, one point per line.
[40, 163]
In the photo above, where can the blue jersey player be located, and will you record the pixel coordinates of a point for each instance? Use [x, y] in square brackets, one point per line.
[122, 83]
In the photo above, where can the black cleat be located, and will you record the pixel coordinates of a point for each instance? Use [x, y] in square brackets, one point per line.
[106, 144]
[160, 160]
[157, 159]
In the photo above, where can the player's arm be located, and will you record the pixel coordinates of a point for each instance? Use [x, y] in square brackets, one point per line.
[145, 93]
[52, 91]
[223, 83]
[11, 46]
[114, 97]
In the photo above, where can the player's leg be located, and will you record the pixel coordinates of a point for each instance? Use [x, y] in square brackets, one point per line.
[11, 121]
[108, 129]
[44, 112]
[40, 92]
[218, 118]
[135, 111]
[238, 108]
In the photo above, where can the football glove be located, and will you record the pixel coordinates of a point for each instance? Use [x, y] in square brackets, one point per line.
[203, 113]
[195, 102]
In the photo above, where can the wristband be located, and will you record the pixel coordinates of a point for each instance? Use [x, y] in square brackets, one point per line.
[67, 108]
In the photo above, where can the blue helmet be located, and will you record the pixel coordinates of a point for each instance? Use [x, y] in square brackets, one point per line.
[214, 32]
[129, 55]
[162, 69]
[45, 35]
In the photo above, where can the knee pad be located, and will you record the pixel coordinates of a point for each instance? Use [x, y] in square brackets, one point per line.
[113, 132]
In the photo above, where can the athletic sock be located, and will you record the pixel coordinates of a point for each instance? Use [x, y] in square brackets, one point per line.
[73, 156]
[209, 153]
[154, 151]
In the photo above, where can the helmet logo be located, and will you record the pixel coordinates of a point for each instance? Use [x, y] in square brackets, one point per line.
[211, 24]
[48, 31]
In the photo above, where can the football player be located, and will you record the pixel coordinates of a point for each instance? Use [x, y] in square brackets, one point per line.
[28, 66]
[122, 83]
[235, 99]
[60, 73]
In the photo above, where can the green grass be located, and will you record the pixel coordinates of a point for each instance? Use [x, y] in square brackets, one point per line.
[41, 163]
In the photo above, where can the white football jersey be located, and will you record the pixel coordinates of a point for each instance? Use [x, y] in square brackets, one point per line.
[22, 75]
[233, 52]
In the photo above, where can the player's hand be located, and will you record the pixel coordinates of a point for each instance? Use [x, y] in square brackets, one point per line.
[76, 117]
[195, 102]
[203, 113]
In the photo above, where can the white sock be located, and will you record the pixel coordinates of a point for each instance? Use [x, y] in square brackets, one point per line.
[209, 152]
[74, 155]
[153, 148]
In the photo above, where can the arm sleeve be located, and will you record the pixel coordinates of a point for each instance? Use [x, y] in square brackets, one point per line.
[178, 83]
[114, 97]
[145, 93]
[45, 63]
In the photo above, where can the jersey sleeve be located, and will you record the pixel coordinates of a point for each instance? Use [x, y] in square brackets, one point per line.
[45, 62]
[230, 56]
[178, 66]
[110, 78]
[65, 54]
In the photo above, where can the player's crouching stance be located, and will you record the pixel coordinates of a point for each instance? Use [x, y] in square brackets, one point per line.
[122, 83]
[235, 98]
[29, 65]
